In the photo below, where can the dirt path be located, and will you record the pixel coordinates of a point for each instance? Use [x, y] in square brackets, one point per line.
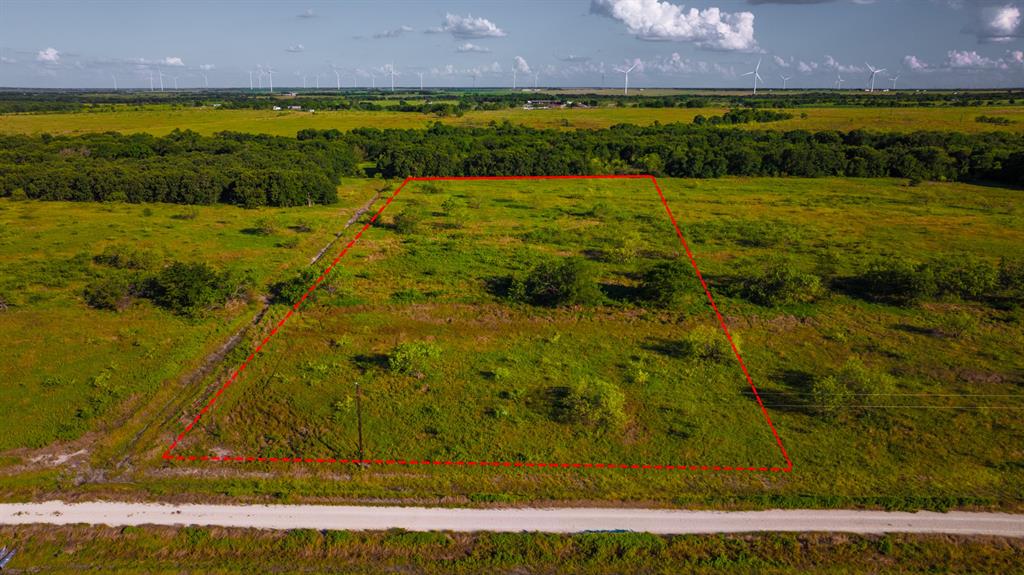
[567, 520]
[167, 413]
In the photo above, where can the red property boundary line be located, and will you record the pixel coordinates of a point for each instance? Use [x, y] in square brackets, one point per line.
[167, 455]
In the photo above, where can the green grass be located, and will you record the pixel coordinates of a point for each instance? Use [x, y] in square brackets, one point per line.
[63, 356]
[948, 437]
[214, 550]
[161, 121]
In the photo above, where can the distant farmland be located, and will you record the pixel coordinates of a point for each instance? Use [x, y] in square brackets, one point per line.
[161, 121]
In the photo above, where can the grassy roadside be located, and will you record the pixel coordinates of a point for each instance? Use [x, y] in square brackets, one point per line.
[217, 550]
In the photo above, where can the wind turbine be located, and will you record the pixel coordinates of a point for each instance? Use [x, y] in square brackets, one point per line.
[337, 78]
[373, 81]
[893, 80]
[175, 78]
[874, 72]
[625, 86]
[535, 76]
[250, 80]
[115, 81]
[206, 81]
[392, 66]
[784, 80]
[513, 77]
[270, 75]
[150, 80]
[839, 82]
[160, 76]
[420, 74]
[755, 75]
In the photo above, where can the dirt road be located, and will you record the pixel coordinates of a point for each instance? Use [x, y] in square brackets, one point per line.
[555, 520]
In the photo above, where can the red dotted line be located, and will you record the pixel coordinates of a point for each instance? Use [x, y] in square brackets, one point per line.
[244, 459]
[234, 376]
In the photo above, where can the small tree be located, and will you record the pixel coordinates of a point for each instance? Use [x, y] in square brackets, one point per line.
[665, 283]
[187, 288]
[830, 395]
[412, 357]
[708, 343]
[291, 290]
[595, 403]
[781, 283]
[897, 280]
[113, 292]
[408, 221]
[556, 283]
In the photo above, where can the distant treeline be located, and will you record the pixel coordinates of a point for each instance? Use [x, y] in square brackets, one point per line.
[682, 150]
[446, 101]
[182, 168]
[256, 170]
[742, 116]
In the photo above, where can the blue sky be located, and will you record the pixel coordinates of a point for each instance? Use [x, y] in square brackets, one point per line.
[928, 43]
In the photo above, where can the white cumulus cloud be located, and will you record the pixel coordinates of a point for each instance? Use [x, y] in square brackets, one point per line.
[49, 55]
[914, 63]
[172, 61]
[471, 47]
[469, 27]
[393, 33]
[999, 23]
[969, 59]
[710, 28]
[295, 48]
[521, 66]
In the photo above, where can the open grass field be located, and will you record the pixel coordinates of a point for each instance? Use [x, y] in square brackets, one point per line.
[494, 382]
[71, 367]
[210, 120]
[493, 378]
[203, 550]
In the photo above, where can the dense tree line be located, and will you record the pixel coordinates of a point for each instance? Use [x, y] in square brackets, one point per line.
[183, 168]
[685, 151]
[256, 170]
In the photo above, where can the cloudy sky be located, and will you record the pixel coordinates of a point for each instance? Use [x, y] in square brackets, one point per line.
[707, 43]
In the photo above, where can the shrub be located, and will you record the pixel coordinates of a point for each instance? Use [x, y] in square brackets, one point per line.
[829, 395]
[862, 380]
[595, 403]
[412, 357]
[1011, 275]
[291, 290]
[781, 283]
[265, 226]
[187, 288]
[708, 343]
[112, 292]
[897, 280]
[123, 257]
[555, 283]
[956, 324]
[408, 221]
[964, 276]
[665, 283]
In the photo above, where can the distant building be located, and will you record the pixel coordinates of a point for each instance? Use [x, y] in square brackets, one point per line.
[294, 107]
[276, 108]
[552, 104]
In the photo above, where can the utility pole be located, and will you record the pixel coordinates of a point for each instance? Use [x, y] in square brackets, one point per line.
[359, 420]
